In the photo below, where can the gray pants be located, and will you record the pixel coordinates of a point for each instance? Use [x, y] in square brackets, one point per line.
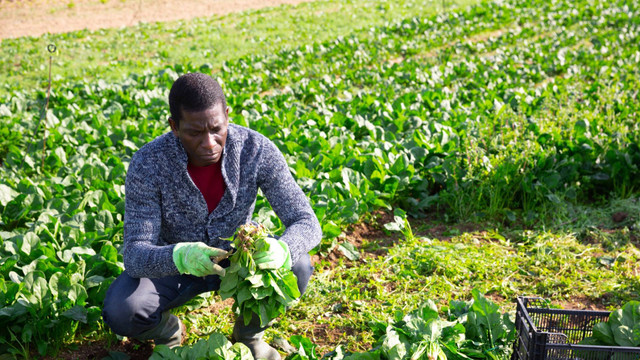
[133, 306]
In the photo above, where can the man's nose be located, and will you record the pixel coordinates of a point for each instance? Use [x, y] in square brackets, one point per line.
[209, 141]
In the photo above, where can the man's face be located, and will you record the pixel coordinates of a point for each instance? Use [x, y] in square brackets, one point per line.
[203, 134]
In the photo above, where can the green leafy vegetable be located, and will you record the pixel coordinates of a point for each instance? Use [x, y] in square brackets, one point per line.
[216, 347]
[423, 334]
[264, 292]
[621, 329]
[491, 331]
[476, 330]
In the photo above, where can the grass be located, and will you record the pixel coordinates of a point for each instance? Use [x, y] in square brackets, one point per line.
[592, 270]
[113, 54]
[589, 263]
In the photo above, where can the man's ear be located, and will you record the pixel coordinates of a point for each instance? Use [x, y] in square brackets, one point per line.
[174, 126]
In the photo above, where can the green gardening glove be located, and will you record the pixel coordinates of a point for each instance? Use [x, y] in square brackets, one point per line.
[196, 258]
[275, 255]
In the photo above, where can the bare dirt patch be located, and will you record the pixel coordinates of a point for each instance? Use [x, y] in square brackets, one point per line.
[369, 237]
[136, 350]
[325, 335]
[37, 17]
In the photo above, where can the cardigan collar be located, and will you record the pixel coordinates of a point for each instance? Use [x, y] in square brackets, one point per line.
[230, 168]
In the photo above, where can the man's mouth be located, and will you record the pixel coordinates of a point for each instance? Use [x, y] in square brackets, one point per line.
[210, 156]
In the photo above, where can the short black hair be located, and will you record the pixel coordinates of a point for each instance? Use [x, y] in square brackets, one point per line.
[194, 92]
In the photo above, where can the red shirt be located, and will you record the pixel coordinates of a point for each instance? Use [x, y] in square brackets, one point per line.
[209, 181]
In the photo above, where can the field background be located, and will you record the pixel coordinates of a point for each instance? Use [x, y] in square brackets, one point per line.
[445, 147]
[20, 18]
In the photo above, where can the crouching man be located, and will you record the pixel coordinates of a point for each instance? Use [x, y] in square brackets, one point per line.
[185, 192]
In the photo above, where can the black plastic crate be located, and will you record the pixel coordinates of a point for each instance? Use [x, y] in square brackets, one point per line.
[547, 334]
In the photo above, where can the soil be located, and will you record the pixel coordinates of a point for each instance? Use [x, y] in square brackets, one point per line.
[37, 17]
[136, 350]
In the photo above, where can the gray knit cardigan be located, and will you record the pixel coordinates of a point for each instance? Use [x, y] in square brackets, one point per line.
[164, 207]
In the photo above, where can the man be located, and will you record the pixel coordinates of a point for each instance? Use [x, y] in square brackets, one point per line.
[186, 191]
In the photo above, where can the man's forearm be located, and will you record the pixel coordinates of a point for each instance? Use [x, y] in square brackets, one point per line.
[142, 259]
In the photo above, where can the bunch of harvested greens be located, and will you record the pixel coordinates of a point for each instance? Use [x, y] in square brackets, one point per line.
[256, 289]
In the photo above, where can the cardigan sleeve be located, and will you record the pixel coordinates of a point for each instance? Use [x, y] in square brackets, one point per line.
[302, 229]
[142, 255]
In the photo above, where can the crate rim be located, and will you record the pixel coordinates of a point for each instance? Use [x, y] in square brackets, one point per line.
[632, 349]
[539, 310]
[526, 310]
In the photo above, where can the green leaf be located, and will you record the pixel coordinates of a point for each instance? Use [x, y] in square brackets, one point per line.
[392, 345]
[77, 294]
[109, 252]
[238, 351]
[15, 311]
[256, 280]
[290, 282]
[552, 180]
[263, 313]
[247, 314]
[625, 324]
[59, 285]
[229, 284]
[602, 332]
[27, 242]
[553, 198]
[77, 313]
[36, 288]
[349, 251]
[7, 194]
[68, 255]
[93, 281]
[20, 206]
[42, 347]
[304, 346]
[262, 292]
[600, 176]
[428, 310]
[243, 295]
[485, 322]
[163, 352]
[330, 230]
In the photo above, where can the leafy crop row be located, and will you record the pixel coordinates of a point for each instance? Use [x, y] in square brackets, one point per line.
[469, 329]
[501, 110]
[111, 54]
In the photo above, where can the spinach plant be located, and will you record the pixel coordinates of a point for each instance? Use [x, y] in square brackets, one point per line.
[216, 347]
[621, 329]
[263, 292]
[473, 329]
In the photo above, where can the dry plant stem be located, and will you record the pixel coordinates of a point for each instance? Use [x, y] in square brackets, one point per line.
[52, 49]
[46, 106]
